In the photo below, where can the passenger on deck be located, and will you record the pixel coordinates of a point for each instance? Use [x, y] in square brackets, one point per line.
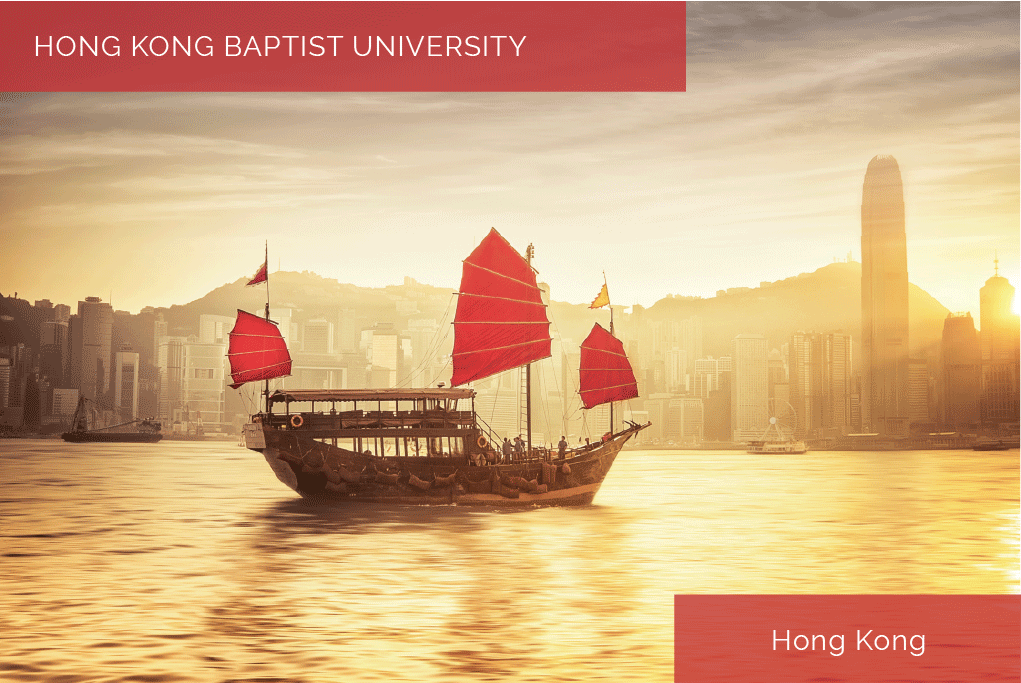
[506, 449]
[519, 446]
[562, 446]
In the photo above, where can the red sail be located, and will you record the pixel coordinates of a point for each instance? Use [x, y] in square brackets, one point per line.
[501, 320]
[256, 351]
[606, 374]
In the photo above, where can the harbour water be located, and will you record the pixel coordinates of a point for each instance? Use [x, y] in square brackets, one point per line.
[189, 561]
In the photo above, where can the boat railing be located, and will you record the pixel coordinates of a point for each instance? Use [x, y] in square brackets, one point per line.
[358, 419]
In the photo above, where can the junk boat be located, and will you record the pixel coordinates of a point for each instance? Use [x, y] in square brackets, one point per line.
[333, 444]
[146, 431]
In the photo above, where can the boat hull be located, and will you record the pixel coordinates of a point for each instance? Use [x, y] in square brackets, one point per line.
[322, 472]
[111, 437]
[778, 448]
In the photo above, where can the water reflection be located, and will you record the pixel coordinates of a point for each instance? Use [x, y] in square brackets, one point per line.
[193, 563]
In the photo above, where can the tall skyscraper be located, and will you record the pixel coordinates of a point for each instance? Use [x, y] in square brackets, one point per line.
[1000, 349]
[125, 384]
[92, 340]
[961, 372]
[820, 383]
[884, 300]
[750, 390]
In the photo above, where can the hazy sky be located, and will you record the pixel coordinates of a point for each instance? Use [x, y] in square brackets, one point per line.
[753, 174]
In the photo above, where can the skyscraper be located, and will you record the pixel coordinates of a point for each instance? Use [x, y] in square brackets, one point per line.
[961, 372]
[92, 339]
[820, 383]
[1000, 349]
[750, 392]
[884, 300]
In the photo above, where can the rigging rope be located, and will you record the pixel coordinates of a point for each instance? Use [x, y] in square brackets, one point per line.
[433, 347]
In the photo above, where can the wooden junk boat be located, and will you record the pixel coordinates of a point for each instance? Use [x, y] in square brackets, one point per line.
[333, 444]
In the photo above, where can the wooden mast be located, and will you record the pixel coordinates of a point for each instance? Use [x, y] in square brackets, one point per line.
[611, 332]
[528, 378]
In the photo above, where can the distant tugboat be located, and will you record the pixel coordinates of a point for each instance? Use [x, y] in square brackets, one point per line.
[990, 445]
[147, 431]
[444, 452]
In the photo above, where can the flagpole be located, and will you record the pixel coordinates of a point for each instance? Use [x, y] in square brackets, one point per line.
[265, 264]
[611, 334]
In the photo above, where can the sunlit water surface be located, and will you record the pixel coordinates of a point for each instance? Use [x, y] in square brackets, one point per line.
[191, 562]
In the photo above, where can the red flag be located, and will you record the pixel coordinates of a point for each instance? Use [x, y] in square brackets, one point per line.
[260, 275]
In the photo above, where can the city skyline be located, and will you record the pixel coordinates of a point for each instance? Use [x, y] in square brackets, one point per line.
[751, 175]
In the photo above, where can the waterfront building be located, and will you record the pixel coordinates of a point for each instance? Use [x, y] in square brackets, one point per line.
[125, 384]
[91, 340]
[1000, 343]
[820, 383]
[65, 401]
[918, 392]
[750, 389]
[961, 372]
[54, 351]
[884, 300]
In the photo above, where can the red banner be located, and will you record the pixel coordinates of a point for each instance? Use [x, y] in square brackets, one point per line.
[342, 46]
[859, 638]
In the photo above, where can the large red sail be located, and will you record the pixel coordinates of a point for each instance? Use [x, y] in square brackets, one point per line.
[501, 320]
[606, 373]
[256, 351]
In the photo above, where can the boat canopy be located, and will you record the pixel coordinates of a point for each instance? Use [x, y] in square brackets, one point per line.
[606, 373]
[370, 395]
[500, 322]
[256, 351]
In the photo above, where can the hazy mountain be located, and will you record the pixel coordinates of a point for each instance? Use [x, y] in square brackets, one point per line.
[823, 301]
[827, 300]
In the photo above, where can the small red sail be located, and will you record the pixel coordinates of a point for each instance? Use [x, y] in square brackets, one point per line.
[606, 373]
[256, 350]
[500, 322]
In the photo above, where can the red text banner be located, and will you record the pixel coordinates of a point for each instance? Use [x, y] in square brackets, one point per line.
[836, 638]
[342, 46]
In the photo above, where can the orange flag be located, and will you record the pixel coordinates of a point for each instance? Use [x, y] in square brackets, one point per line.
[602, 300]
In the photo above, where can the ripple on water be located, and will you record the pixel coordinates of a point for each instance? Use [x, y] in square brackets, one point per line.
[218, 573]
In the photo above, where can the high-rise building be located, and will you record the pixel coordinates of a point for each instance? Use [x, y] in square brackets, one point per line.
[54, 351]
[707, 376]
[1001, 334]
[5, 381]
[386, 355]
[961, 372]
[204, 385]
[65, 402]
[214, 329]
[91, 349]
[61, 313]
[838, 382]
[918, 391]
[884, 300]
[750, 388]
[717, 411]
[805, 381]
[820, 383]
[675, 363]
[125, 384]
[317, 336]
